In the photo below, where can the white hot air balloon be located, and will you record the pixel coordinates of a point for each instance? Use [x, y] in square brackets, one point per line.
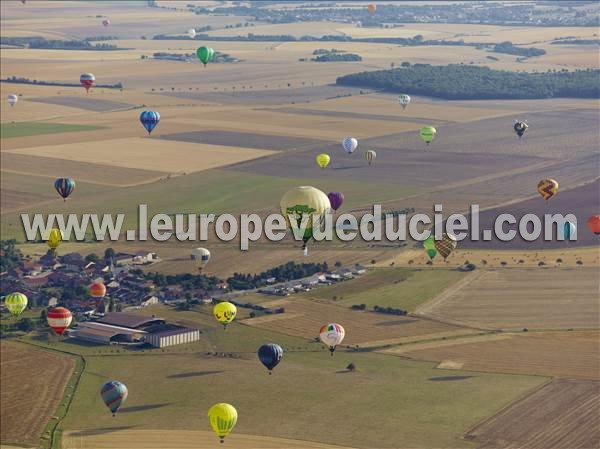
[12, 99]
[192, 33]
[404, 100]
[349, 144]
[332, 335]
[201, 256]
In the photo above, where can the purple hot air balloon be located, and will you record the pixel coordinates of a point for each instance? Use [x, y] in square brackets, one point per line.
[336, 199]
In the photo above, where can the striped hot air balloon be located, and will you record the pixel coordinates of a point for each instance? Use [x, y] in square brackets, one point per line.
[547, 188]
[114, 394]
[64, 187]
[149, 120]
[59, 319]
[446, 245]
[87, 80]
[332, 335]
[370, 156]
[349, 144]
[222, 418]
[16, 303]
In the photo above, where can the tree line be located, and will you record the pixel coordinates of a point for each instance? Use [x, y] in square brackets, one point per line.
[24, 80]
[56, 44]
[281, 273]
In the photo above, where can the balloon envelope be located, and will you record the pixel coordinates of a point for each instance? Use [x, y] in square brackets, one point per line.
[323, 160]
[270, 355]
[429, 245]
[304, 203]
[349, 144]
[332, 334]
[59, 319]
[12, 99]
[97, 290]
[520, 128]
[192, 33]
[106, 22]
[335, 199]
[55, 237]
[222, 418]
[64, 187]
[567, 231]
[594, 224]
[404, 100]
[372, 8]
[547, 188]
[446, 245]
[149, 120]
[87, 80]
[427, 133]
[370, 156]
[114, 394]
[205, 54]
[16, 303]
[201, 256]
[224, 312]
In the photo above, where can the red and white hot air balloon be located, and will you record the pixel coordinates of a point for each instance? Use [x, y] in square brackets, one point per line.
[87, 80]
[59, 319]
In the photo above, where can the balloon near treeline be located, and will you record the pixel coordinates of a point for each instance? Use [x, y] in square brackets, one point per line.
[335, 199]
[16, 303]
[429, 246]
[427, 134]
[222, 418]
[304, 204]
[106, 22]
[64, 187]
[372, 8]
[149, 120]
[191, 33]
[332, 335]
[12, 99]
[446, 245]
[349, 144]
[270, 355]
[205, 54]
[323, 160]
[224, 312]
[55, 237]
[114, 394]
[201, 256]
[87, 80]
[547, 188]
[404, 100]
[59, 319]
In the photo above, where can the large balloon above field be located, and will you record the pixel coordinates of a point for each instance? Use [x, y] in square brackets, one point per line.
[304, 203]
[205, 54]
[87, 80]
[446, 245]
[16, 303]
[55, 238]
[149, 120]
[332, 335]
[520, 128]
[114, 394]
[222, 418]
[429, 245]
[59, 319]
[64, 187]
[12, 99]
[200, 256]
[547, 188]
[270, 355]
[404, 100]
[349, 144]
[224, 312]
[98, 289]
[427, 133]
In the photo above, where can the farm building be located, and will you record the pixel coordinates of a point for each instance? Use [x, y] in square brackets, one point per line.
[130, 320]
[106, 334]
[172, 337]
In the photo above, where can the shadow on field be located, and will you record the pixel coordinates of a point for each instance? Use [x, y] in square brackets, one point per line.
[449, 378]
[395, 322]
[193, 374]
[141, 408]
[88, 432]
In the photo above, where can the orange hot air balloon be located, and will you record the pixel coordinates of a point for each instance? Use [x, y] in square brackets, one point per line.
[97, 289]
[594, 224]
[372, 8]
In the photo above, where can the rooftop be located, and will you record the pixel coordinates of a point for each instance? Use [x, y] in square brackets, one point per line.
[130, 320]
[176, 331]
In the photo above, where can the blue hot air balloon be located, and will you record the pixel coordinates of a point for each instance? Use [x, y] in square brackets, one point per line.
[149, 120]
[349, 144]
[64, 187]
[113, 394]
[270, 355]
[336, 199]
[567, 231]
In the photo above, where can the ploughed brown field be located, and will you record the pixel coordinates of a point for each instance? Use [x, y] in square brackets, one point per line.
[564, 414]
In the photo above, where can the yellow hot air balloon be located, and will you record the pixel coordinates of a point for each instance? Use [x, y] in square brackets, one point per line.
[222, 418]
[427, 133]
[55, 237]
[304, 203]
[16, 303]
[323, 160]
[446, 245]
[547, 188]
[224, 312]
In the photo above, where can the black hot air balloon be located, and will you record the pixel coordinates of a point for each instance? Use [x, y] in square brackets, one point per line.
[270, 355]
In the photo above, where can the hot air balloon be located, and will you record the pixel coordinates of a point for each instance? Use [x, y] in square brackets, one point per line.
[547, 188]
[191, 33]
[332, 335]
[106, 22]
[404, 100]
[64, 187]
[12, 99]
[98, 289]
[372, 8]
[304, 203]
[59, 319]
[16, 303]
[87, 80]
[446, 245]
[149, 120]
[520, 128]
[114, 394]
[370, 156]
[429, 245]
[349, 144]
[567, 231]
[55, 237]
[222, 418]
[224, 312]
[427, 133]
[594, 224]
[335, 199]
[270, 355]
[323, 160]
[201, 256]
[205, 54]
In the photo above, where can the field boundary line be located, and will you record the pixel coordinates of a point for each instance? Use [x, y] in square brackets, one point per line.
[447, 293]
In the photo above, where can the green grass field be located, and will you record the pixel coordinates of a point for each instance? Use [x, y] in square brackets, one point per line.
[23, 129]
[402, 288]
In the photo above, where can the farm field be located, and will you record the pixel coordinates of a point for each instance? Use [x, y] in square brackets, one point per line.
[526, 298]
[9, 130]
[29, 400]
[563, 414]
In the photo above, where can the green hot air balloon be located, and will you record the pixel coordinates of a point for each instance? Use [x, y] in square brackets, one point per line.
[429, 245]
[427, 133]
[205, 54]
[16, 303]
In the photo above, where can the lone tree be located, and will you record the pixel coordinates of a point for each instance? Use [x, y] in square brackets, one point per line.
[351, 367]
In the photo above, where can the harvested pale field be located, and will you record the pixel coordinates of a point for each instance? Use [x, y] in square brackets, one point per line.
[304, 318]
[124, 438]
[28, 398]
[573, 355]
[564, 414]
[86, 103]
[148, 154]
[514, 298]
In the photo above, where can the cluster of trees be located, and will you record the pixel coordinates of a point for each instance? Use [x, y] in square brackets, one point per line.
[508, 48]
[331, 57]
[576, 42]
[281, 273]
[324, 51]
[56, 44]
[11, 255]
[377, 309]
[24, 80]
[461, 82]
[397, 213]
[185, 280]
[101, 38]
[257, 307]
